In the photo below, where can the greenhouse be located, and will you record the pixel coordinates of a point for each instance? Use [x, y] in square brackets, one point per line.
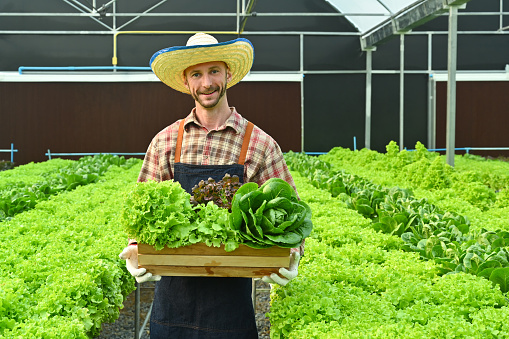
[387, 117]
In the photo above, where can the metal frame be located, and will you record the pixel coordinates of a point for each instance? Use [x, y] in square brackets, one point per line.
[399, 23]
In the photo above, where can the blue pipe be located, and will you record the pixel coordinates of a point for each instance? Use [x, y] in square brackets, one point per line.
[83, 68]
[12, 150]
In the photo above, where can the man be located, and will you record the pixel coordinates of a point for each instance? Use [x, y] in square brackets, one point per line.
[211, 141]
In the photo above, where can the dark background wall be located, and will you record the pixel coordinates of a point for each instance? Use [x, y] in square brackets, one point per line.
[124, 117]
[482, 116]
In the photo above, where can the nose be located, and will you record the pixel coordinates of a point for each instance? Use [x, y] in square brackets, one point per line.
[206, 81]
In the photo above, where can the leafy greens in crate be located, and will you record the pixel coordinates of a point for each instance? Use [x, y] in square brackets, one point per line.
[164, 214]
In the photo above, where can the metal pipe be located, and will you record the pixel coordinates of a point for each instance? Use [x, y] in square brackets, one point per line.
[431, 95]
[80, 5]
[146, 11]
[88, 12]
[367, 137]
[114, 17]
[401, 90]
[451, 84]
[308, 14]
[137, 312]
[142, 68]
[147, 318]
[501, 15]
[21, 69]
[285, 33]
[142, 14]
[301, 69]
[238, 16]
[12, 150]
[317, 33]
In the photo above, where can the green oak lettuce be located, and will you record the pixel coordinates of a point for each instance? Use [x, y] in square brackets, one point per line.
[161, 214]
[270, 215]
[157, 213]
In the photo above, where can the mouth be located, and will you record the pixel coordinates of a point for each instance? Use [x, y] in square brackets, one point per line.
[209, 93]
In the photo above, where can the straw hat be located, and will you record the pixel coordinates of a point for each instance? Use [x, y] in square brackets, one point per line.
[169, 63]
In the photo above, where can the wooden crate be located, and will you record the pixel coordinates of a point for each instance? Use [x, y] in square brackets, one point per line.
[201, 260]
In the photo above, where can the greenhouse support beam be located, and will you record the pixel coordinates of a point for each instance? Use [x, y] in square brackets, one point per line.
[452, 49]
[401, 91]
[407, 19]
[431, 97]
[301, 71]
[369, 68]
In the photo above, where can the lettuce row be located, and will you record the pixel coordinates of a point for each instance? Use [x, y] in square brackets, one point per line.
[439, 235]
[60, 275]
[19, 197]
[355, 282]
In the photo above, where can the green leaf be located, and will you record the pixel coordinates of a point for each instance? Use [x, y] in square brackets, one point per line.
[365, 210]
[277, 187]
[500, 276]
[289, 238]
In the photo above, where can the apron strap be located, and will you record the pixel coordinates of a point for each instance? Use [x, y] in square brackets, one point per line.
[243, 151]
[245, 144]
[179, 140]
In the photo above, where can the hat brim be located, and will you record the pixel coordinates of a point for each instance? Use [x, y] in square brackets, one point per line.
[169, 64]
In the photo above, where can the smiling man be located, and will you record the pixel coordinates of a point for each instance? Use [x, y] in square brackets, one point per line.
[207, 83]
[213, 140]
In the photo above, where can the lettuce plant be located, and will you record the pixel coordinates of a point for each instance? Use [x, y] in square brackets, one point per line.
[270, 215]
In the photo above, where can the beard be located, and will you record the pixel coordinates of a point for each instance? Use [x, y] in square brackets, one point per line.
[221, 90]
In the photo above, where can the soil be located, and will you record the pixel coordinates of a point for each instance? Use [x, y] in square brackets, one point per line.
[123, 327]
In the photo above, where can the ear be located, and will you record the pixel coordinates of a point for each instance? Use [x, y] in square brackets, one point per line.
[184, 78]
[228, 75]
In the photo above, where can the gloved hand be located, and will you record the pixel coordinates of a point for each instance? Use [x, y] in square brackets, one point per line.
[130, 255]
[288, 274]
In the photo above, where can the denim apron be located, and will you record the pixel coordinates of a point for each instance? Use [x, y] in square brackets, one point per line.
[203, 307]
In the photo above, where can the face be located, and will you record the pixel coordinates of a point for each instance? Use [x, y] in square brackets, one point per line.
[207, 82]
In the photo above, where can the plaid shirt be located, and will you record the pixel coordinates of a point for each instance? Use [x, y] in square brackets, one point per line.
[264, 159]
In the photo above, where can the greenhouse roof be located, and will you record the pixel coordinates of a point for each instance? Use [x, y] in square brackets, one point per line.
[377, 20]
[365, 14]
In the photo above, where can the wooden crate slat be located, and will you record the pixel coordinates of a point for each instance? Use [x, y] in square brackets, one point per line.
[202, 248]
[215, 260]
[201, 260]
[220, 271]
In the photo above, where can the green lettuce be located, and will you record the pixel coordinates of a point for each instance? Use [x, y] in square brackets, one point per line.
[161, 214]
[158, 213]
[270, 215]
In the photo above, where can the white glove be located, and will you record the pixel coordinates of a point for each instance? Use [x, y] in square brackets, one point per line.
[130, 255]
[287, 274]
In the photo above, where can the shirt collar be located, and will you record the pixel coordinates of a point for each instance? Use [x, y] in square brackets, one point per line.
[234, 120]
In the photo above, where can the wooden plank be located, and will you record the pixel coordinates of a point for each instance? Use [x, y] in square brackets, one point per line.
[223, 271]
[202, 248]
[214, 260]
[201, 260]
